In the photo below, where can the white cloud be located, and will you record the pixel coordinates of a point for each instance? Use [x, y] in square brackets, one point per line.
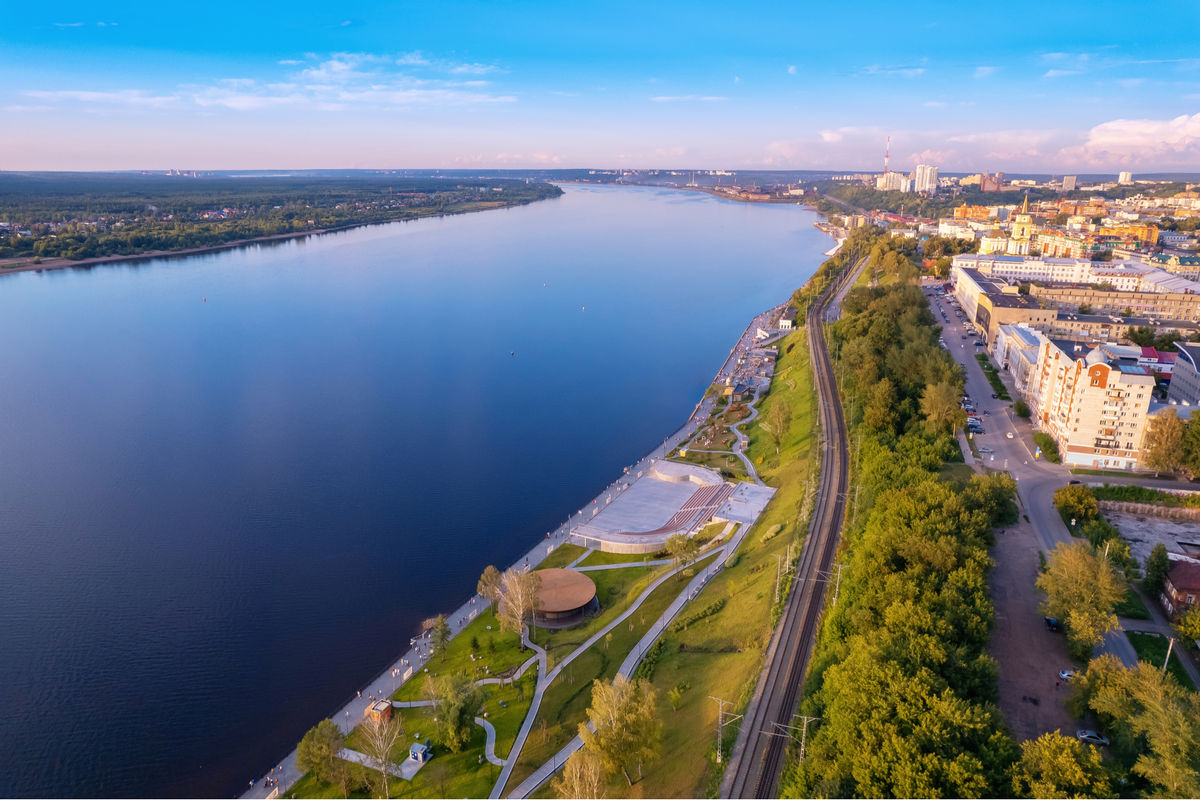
[791, 69]
[121, 97]
[290, 62]
[902, 71]
[736, 79]
[984, 72]
[934, 104]
[1150, 143]
[471, 69]
[414, 58]
[69, 24]
[1060, 73]
[1131, 83]
[687, 98]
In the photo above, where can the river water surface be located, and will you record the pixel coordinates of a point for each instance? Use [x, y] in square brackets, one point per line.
[231, 485]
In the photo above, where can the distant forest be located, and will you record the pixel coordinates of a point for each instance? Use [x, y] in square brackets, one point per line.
[78, 216]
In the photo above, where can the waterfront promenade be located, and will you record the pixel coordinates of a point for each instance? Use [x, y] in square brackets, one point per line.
[285, 773]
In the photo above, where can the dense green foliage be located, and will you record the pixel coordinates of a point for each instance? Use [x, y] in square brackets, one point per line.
[1144, 494]
[1049, 447]
[79, 216]
[901, 679]
[1153, 722]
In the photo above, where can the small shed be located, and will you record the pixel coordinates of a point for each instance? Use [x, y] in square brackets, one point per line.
[380, 710]
[420, 752]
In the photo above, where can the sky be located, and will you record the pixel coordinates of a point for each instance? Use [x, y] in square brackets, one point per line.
[1059, 87]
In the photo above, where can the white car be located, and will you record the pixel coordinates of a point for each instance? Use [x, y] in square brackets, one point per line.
[1066, 674]
[1091, 737]
[1008, 435]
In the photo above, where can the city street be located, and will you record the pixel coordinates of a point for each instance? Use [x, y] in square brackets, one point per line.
[1028, 655]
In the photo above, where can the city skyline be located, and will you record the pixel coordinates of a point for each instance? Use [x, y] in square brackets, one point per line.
[1032, 89]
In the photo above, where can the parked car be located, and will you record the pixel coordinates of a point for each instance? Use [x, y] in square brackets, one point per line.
[1091, 737]
[1066, 674]
[1052, 624]
[1008, 435]
[995, 396]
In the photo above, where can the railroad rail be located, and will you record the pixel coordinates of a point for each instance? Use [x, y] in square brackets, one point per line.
[758, 754]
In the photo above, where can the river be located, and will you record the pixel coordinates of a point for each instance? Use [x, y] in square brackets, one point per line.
[231, 485]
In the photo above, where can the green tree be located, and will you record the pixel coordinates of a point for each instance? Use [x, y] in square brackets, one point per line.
[682, 548]
[939, 405]
[879, 410]
[1141, 336]
[1188, 625]
[777, 421]
[489, 584]
[1153, 719]
[1021, 409]
[439, 636]
[1054, 765]
[317, 751]
[1155, 572]
[627, 729]
[1162, 450]
[1190, 465]
[1076, 502]
[1083, 589]
[455, 700]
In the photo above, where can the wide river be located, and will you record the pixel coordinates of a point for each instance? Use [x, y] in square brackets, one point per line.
[231, 485]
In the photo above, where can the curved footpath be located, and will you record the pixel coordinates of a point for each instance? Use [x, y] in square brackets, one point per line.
[411, 662]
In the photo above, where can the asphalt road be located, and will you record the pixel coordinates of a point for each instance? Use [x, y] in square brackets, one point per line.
[1037, 480]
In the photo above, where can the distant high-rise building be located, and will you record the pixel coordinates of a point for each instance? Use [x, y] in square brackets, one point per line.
[926, 179]
[1125, 178]
[1068, 184]
[893, 182]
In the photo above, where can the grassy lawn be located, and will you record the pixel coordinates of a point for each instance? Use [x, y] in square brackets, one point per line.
[565, 703]
[447, 775]
[992, 375]
[615, 589]
[722, 654]
[1131, 606]
[1117, 474]
[600, 558]
[1152, 647]
[497, 652]
[729, 465]
[959, 473]
[563, 554]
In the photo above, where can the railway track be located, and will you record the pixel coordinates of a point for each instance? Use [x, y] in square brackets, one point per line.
[757, 758]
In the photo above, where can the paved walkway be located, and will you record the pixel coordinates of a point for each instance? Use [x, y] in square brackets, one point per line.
[547, 769]
[625, 565]
[489, 749]
[405, 769]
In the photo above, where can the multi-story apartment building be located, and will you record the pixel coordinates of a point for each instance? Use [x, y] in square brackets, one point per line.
[925, 178]
[1095, 411]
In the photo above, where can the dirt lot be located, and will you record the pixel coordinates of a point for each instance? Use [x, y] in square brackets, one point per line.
[1143, 533]
[1028, 655]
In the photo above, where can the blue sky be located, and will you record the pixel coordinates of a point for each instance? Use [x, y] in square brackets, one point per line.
[1017, 86]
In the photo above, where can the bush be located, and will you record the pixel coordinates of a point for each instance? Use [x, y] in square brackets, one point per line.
[1021, 409]
[1049, 448]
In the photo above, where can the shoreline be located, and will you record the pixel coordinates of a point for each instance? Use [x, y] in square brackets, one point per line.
[409, 663]
[20, 264]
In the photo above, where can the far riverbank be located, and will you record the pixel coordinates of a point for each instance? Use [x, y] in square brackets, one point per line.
[26, 264]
